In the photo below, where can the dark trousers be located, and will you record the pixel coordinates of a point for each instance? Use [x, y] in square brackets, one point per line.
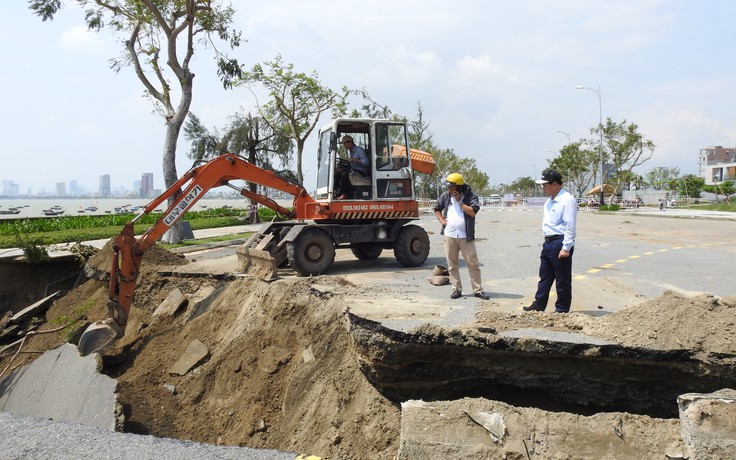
[559, 271]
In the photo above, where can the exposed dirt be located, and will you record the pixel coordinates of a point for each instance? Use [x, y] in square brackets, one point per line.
[281, 372]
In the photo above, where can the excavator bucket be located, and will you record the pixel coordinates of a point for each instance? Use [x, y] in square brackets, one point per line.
[99, 337]
[254, 258]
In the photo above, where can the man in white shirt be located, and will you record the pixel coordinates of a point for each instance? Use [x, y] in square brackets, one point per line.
[558, 228]
[456, 209]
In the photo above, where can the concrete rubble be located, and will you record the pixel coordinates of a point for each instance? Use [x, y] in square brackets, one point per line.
[194, 354]
[62, 385]
[456, 429]
[709, 424]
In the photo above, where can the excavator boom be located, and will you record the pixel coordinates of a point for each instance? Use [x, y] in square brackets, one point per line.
[191, 187]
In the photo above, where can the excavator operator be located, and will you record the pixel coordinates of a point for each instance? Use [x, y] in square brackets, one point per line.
[358, 159]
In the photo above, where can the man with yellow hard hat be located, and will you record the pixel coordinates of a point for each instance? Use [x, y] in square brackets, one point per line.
[456, 209]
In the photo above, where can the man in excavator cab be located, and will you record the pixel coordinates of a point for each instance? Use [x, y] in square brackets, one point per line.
[359, 164]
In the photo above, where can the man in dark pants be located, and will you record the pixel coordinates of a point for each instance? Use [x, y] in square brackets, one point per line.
[558, 228]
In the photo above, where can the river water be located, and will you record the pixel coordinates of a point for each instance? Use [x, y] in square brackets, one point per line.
[34, 207]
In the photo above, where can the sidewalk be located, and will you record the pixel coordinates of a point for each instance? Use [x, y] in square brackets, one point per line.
[683, 213]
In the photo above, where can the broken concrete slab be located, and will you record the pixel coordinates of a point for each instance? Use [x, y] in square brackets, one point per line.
[62, 385]
[194, 354]
[172, 303]
[709, 424]
[571, 374]
[455, 429]
[33, 309]
[554, 336]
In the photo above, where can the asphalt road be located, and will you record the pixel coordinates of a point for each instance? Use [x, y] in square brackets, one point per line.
[620, 260]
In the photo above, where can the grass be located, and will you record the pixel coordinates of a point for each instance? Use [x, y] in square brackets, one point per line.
[721, 206]
[76, 229]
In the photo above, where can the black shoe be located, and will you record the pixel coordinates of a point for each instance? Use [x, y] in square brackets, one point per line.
[482, 295]
[531, 307]
[456, 294]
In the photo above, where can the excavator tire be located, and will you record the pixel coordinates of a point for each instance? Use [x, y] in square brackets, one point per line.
[412, 246]
[366, 251]
[311, 253]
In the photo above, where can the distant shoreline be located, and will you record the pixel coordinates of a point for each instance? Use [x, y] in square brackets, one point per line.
[35, 207]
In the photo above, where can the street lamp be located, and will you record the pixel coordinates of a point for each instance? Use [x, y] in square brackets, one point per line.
[566, 134]
[600, 145]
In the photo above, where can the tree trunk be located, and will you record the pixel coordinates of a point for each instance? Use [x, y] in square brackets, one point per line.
[175, 233]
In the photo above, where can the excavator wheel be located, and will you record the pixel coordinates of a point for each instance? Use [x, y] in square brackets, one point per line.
[366, 251]
[311, 253]
[412, 246]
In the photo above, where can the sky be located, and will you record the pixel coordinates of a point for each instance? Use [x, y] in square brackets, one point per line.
[496, 80]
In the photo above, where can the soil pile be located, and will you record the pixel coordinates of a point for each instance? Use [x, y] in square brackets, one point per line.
[702, 323]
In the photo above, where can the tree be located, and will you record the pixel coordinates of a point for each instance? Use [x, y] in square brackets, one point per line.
[152, 28]
[296, 102]
[688, 186]
[576, 165]
[246, 136]
[724, 188]
[624, 147]
[523, 186]
[660, 175]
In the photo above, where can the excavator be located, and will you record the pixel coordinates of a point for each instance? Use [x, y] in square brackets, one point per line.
[373, 215]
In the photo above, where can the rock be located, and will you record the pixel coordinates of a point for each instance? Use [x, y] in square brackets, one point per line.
[708, 424]
[172, 303]
[195, 353]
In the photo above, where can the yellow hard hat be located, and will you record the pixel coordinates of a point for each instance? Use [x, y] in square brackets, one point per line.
[454, 179]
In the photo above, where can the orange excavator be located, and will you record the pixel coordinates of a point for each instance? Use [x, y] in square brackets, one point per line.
[372, 215]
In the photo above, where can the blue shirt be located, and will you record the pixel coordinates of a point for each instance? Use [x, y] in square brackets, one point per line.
[560, 217]
[359, 153]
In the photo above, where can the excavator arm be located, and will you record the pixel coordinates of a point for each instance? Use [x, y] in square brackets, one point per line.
[128, 250]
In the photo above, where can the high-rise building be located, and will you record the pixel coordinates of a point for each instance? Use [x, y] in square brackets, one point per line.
[61, 189]
[146, 184]
[10, 188]
[104, 186]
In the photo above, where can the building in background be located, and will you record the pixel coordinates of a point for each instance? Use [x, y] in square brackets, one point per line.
[146, 185]
[104, 186]
[10, 188]
[717, 164]
[61, 189]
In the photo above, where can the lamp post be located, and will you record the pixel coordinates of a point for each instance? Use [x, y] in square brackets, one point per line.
[600, 145]
[535, 177]
[566, 134]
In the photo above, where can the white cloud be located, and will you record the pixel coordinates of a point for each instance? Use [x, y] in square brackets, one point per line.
[79, 38]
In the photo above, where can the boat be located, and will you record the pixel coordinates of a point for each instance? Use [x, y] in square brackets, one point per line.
[91, 208]
[53, 211]
[10, 211]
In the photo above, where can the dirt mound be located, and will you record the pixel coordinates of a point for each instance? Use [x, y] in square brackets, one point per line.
[280, 373]
[702, 323]
[98, 266]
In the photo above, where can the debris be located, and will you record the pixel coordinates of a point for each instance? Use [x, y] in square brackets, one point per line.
[33, 309]
[195, 353]
[491, 422]
[172, 304]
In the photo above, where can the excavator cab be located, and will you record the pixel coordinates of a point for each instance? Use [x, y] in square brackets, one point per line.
[389, 167]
